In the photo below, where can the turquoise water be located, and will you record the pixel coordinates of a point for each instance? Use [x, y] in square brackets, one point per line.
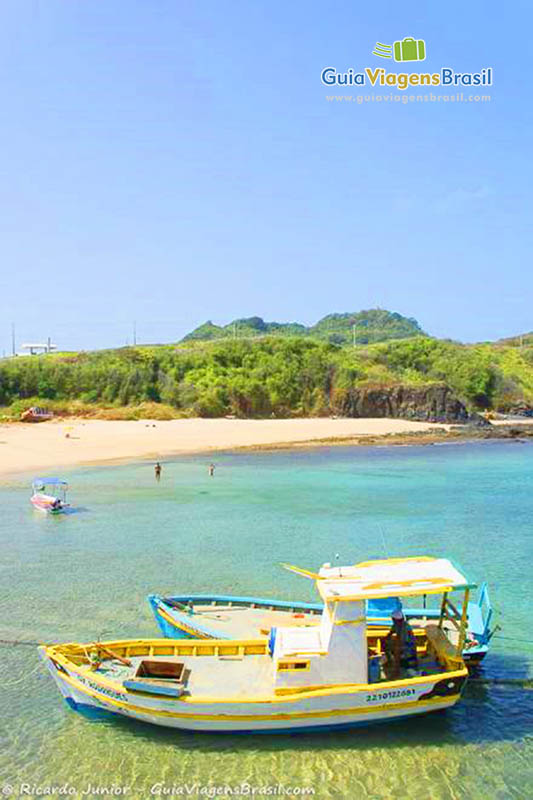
[85, 574]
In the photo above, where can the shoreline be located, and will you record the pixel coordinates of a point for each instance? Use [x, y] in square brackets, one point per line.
[394, 440]
[64, 444]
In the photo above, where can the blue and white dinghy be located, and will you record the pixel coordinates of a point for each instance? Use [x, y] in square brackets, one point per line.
[303, 678]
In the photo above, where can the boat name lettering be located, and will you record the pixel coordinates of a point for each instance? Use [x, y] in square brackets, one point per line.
[389, 695]
[101, 689]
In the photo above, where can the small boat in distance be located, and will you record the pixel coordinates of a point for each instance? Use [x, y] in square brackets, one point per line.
[218, 616]
[49, 495]
[36, 414]
[337, 674]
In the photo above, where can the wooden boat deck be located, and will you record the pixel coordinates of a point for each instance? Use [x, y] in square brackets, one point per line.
[236, 677]
[243, 671]
[247, 622]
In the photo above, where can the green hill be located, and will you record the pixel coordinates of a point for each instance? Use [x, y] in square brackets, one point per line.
[239, 328]
[374, 325]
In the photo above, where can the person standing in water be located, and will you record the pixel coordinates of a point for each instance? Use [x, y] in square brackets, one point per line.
[157, 470]
[211, 470]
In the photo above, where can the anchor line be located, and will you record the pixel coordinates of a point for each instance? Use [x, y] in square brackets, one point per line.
[524, 683]
[17, 642]
[9, 684]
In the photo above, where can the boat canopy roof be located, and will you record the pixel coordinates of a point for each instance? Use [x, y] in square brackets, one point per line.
[397, 577]
[51, 481]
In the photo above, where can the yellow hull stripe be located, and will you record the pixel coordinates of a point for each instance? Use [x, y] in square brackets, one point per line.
[451, 700]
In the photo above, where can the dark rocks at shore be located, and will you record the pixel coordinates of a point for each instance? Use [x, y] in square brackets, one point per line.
[509, 432]
[517, 433]
[433, 403]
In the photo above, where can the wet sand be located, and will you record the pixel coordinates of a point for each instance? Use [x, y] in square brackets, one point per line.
[51, 445]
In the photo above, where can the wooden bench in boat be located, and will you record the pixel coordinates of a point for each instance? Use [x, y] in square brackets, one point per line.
[443, 650]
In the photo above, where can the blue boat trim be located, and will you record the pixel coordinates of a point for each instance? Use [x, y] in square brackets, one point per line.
[89, 711]
[146, 688]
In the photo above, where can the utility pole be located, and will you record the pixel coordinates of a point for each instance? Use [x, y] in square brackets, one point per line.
[13, 338]
[134, 333]
[48, 345]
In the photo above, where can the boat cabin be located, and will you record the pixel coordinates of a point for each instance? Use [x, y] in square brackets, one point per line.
[343, 649]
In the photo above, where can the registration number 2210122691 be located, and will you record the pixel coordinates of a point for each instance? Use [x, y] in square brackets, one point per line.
[390, 695]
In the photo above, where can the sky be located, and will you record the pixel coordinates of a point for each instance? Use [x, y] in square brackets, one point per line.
[169, 162]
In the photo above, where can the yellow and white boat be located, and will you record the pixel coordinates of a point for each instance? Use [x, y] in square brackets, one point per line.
[302, 678]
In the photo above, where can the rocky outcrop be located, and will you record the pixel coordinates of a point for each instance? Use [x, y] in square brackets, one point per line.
[432, 403]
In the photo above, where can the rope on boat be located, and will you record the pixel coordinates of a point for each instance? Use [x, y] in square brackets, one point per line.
[191, 610]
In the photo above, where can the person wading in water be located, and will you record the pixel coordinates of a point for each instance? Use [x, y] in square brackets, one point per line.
[157, 470]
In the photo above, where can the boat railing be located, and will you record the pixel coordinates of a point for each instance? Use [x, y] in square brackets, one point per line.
[81, 654]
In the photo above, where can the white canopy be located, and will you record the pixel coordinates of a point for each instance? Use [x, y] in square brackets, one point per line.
[390, 577]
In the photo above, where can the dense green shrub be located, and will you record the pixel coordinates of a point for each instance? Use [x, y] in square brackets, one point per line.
[271, 376]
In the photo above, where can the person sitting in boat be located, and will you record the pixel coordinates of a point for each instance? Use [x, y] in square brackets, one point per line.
[400, 646]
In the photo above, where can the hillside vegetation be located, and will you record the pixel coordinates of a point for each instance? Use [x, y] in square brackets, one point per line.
[374, 325]
[273, 375]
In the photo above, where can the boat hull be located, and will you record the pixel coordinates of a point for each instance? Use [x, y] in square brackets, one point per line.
[44, 505]
[36, 415]
[355, 705]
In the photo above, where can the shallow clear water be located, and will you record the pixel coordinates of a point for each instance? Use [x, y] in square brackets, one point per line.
[77, 576]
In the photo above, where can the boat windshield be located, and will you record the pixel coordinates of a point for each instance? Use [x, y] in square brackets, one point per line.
[55, 486]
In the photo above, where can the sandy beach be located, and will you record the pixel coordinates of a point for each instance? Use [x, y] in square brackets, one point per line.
[46, 446]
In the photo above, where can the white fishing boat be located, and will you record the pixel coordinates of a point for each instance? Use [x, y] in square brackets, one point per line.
[49, 495]
[330, 675]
